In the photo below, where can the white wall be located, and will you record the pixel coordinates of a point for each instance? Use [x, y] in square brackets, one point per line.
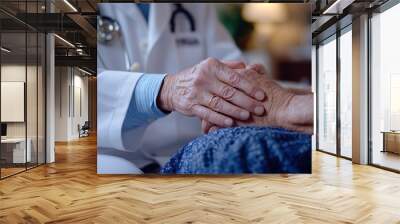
[12, 73]
[71, 94]
[33, 126]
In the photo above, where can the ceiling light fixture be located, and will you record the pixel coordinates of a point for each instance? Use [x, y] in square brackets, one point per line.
[70, 5]
[5, 50]
[84, 71]
[337, 7]
[65, 41]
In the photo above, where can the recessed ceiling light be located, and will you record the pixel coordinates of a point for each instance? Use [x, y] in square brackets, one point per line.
[337, 7]
[65, 41]
[5, 50]
[70, 5]
[84, 71]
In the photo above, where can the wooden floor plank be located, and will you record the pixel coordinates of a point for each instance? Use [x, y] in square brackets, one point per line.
[70, 191]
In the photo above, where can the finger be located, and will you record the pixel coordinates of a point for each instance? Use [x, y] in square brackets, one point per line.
[232, 78]
[305, 128]
[251, 75]
[213, 128]
[207, 127]
[260, 69]
[234, 64]
[222, 106]
[237, 98]
[212, 116]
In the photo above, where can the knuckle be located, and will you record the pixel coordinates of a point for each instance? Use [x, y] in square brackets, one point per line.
[191, 95]
[256, 66]
[199, 80]
[185, 104]
[248, 72]
[183, 91]
[254, 104]
[211, 61]
[207, 115]
[238, 112]
[234, 79]
[228, 92]
[215, 103]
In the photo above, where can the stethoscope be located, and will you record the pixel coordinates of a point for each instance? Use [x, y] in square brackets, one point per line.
[108, 28]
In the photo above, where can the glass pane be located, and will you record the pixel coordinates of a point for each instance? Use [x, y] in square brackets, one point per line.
[327, 96]
[41, 99]
[385, 85]
[32, 87]
[13, 88]
[31, 98]
[346, 94]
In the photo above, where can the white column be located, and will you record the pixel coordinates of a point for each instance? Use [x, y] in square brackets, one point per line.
[360, 90]
[50, 99]
[50, 92]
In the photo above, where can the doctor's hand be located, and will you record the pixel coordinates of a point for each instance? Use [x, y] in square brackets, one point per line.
[284, 108]
[213, 91]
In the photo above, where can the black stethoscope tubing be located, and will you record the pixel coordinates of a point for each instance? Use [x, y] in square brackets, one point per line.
[107, 34]
[180, 9]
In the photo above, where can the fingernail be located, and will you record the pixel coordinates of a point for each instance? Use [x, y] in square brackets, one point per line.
[212, 129]
[228, 122]
[244, 115]
[259, 110]
[259, 95]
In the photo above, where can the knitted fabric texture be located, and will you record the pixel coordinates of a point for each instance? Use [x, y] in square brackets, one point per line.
[244, 150]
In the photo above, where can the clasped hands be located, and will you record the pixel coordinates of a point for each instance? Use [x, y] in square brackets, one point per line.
[224, 94]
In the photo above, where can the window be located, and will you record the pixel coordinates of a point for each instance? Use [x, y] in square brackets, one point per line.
[327, 95]
[22, 78]
[346, 92]
[385, 89]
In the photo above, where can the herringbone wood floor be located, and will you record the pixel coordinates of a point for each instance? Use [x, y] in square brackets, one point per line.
[70, 191]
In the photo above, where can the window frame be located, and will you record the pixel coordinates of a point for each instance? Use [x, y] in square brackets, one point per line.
[333, 37]
[378, 10]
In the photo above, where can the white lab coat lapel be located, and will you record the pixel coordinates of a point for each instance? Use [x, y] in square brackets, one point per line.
[135, 28]
[158, 24]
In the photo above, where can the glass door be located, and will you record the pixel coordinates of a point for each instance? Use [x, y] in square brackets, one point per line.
[22, 77]
[14, 153]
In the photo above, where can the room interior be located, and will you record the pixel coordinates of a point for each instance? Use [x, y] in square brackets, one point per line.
[48, 170]
[25, 102]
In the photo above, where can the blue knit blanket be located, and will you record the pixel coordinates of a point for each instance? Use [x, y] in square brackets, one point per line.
[244, 150]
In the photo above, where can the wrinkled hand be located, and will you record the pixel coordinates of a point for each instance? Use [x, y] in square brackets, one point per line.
[283, 107]
[212, 91]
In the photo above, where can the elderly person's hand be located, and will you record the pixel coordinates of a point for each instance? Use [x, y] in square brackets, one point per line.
[212, 91]
[284, 108]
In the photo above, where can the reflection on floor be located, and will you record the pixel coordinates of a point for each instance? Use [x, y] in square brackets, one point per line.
[70, 191]
[11, 169]
[387, 159]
